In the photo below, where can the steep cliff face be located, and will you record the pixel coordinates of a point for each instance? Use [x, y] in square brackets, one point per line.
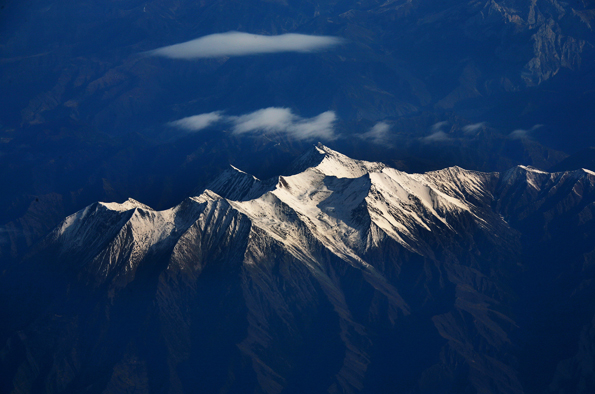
[556, 42]
[347, 276]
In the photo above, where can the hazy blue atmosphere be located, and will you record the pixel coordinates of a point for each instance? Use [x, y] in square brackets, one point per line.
[201, 118]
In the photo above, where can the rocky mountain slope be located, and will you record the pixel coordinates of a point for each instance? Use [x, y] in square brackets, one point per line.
[345, 276]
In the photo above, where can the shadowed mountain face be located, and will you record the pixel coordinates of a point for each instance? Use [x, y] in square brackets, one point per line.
[343, 276]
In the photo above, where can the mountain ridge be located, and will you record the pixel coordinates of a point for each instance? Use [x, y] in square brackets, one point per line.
[318, 282]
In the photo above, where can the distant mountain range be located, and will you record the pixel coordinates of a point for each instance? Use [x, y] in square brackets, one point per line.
[84, 113]
[482, 59]
[341, 276]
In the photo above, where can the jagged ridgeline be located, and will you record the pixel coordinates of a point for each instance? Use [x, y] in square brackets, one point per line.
[345, 277]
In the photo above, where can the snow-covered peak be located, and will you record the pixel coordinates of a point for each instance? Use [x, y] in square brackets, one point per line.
[333, 163]
[243, 172]
[341, 166]
[474, 186]
[125, 206]
[235, 184]
[525, 175]
[350, 205]
[346, 206]
[207, 195]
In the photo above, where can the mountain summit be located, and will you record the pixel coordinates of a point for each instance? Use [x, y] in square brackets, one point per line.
[345, 276]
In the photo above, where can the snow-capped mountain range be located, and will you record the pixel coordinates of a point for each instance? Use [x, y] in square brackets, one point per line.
[343, 276]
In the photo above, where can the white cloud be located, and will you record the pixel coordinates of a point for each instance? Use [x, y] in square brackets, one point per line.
[283, 121]
[197, 122]
[268, 120]
[438, 126]
[377, 134]
[234, 43]
[521, 134]
[438, 136]
[321, 126]
[472, 128]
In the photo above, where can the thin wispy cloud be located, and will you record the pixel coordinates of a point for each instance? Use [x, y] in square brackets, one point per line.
[438, 136]
[438, 126]
[273, 120]
[521, 134]
[283, 121]
[472, 128]
[243, 44]
[318, 127]
[267, 119]
[377, 134]
[197, 122]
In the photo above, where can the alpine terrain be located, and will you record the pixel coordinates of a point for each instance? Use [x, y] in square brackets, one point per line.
[86, 115]
[342, 276]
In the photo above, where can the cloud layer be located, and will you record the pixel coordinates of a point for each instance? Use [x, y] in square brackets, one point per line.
[437, 134]
[438, 126]
[242, 44]
[268, 120]
[197, 122]
[377, 134]
[521, 134]
[472, 128]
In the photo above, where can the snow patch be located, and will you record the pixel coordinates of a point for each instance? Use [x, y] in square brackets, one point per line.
[532, 169]
[125, 206]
